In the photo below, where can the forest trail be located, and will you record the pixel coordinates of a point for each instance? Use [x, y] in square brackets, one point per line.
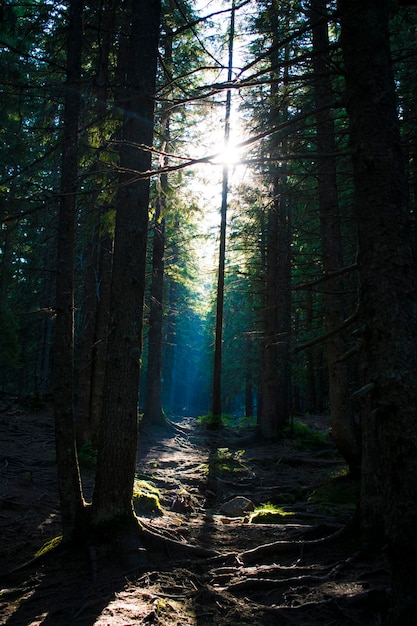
[285, 571]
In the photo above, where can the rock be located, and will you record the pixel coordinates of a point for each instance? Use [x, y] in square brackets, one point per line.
[237, 507]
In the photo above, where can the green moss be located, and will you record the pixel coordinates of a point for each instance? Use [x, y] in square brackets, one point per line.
[48, 546]
[146, 498]
[269, 514]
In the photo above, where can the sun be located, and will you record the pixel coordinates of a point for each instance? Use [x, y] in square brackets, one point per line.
[230, 155]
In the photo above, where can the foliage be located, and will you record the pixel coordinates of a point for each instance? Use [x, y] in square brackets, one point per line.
[228, 420]
[225, 460]
[305, 437]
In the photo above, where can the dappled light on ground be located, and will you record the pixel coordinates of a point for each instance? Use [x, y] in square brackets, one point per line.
[299, 567]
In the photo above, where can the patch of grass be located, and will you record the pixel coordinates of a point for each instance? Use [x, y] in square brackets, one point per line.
[146, 498]
[305, 437]
[48, 546]
[269, 514]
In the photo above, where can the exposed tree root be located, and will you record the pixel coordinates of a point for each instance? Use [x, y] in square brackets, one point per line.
[158, 541]
[260, 552]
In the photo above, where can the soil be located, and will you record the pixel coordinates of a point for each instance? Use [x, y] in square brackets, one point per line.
[304, 566]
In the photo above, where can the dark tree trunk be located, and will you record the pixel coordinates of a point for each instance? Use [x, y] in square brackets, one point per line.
[95, 304]
[216, 408]
[153, 413]
[170, 341]
[86, 327]
[99, 348]
[275, 382]
[274, 409]
[112, 498]
[69, 487]
[249, 378]
[344, 431]
[43, 369]
[388, 293]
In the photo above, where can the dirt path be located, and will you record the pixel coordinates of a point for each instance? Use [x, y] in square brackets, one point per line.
[285, 571]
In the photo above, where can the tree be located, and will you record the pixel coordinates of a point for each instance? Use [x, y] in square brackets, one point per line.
[216, 408]
[274, 404]
[344, 429]
[388, 296]
[69, 485]
[153, 411]
[116, 463]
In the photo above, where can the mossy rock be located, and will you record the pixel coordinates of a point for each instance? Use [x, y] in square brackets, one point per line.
[146, 499]
[147, 503]
[268, 517]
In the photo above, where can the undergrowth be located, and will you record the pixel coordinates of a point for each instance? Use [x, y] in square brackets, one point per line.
[305, 437]
[227, 420]
[338, 495]
[225, 460]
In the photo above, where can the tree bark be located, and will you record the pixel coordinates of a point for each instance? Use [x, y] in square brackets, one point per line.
[216, 408]
[116, 463]
[274, 408]
[388, 297]
[153, 413]
[69, 485]
[344, 430]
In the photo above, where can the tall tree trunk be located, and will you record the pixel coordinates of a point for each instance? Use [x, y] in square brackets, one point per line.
[116, 463]
[216, 407]
[43, 368]
[249, 377]
[86, 325]
[87, 419]
[344, 430]
[274, 407]
[69, 486]
[153, 412]
[99, 348]
[388, 297]
[170, 341]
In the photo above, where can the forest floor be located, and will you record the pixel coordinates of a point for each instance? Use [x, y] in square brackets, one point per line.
[298, 567]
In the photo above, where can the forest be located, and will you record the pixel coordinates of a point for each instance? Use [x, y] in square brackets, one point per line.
[208, 297]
